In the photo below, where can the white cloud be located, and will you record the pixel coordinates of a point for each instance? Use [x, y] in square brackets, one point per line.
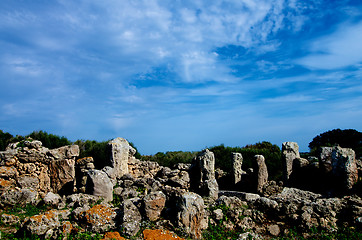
[337, 50]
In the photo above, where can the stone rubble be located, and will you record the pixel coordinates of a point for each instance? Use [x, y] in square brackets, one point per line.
[127, 194]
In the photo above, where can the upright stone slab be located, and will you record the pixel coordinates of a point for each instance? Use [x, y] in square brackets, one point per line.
[290, 151]
[237, 164]
[344, 166]
[98, 184]
[325, 160]
[261, 172]
[119, 150]
[203, 174]
[191, 214]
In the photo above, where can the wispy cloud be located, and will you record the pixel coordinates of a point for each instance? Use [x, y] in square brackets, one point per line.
[337, 50]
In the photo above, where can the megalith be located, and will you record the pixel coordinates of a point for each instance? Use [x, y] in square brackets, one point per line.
[237, 159]
[191, 214]
[203, 175]
[290, 151]
[119, 150]
[344, 166]
[98, 184]
[261, 173]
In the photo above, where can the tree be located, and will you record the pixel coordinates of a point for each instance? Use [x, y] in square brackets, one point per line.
[5, 139]
[49, 140]
[348, 138]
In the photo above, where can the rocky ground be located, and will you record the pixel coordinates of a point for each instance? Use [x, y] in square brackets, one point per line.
[52, 194]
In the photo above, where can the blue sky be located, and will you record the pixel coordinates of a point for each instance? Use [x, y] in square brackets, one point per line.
[181, 75]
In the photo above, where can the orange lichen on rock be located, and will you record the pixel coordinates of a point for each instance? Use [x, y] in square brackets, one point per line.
[5, 183]
[113, 236]
[159, 234]
[99, 213]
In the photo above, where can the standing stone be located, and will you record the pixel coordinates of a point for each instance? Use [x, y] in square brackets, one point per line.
[344, 166]
[237, 164]
[203, 171]
[98, 184]
[290, 151]
[325, 161]
[120, 152]
[191, 214]
[262, 173]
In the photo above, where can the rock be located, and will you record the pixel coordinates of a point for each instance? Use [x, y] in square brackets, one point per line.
[218, 214]
[28, 181]
[344, 167]
[119, 149]
[242, 195]
[325, 159]
[19, 197]
[290, 151]
[266, 204]
[130, 218]
[249, 235]
[40, 224]
[82, 200]
[180, 179]
[154, 204]
[300, 163]
[262, 173]
[273, 230]
[182, 166]
[66, 152]
[191, 214]
[8, 172]
[297, 194]
[236, 170]
[62, 175]
[100, 218]
[112, 236]
[52, 199]
[99, 184]
[159, 234]
[203, 174]
[9, 219]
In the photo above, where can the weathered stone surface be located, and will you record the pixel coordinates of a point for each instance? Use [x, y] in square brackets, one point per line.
[261, 172]
[28, 181]
[8, 172]
[290, 151]
[204, 179]
[159, 234]
[40, 224]
[142, 169]
[237, 164]
[99, 184]
[62, 175]
[130, 218]
[52, 199]
[154, 204]
[178, 178]
[344, 166]
[66, 152]
[191, 214]
[112, 236]
[297, 194]
[119, 154]
[19, 197]
[100, 218]
[325, 159]
[9, 219]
